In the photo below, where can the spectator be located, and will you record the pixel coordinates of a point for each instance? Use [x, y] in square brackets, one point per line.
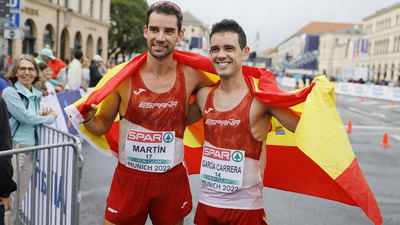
[56, 64]
[51, 84]
[23, 104]
[100, 64]
[7, 185]
[95, 75]
[86, 70]
[35, 55]
[74, 73]
[3, 63]
[3, 82]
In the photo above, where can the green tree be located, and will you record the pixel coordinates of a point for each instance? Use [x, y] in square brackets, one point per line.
[128, 18]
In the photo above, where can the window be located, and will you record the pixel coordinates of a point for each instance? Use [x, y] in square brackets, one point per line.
[80, 6]
[28, 44]
[48, 36]
[99, 49]
[91, 8]
[101, 9]
[78, 42]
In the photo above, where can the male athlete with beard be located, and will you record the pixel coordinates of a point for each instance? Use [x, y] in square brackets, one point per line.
[150, 179]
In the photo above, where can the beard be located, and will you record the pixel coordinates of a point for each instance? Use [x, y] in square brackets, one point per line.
[160, 54]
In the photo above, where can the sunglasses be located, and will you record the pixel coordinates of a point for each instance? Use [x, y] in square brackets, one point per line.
[173, 5]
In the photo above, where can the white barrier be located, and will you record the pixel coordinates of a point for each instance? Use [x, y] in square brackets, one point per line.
[344, 88]
[358, 90]
[394, 94]
[378, 91]
[369, 91]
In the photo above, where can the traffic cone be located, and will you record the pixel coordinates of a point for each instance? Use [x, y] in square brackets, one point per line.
[385, 141]
[349, 127]
[362, 99]
[392, 103]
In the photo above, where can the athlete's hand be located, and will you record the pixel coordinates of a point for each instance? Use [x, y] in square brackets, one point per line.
[91, 114]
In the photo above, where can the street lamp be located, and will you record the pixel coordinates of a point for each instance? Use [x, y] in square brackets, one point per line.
[67, 17]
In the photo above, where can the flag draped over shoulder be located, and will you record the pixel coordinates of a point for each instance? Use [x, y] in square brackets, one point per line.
[316, 160]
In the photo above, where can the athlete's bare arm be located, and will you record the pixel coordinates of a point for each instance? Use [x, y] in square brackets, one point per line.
[286, 117]
[113, 104]
[260, 118]
[195, 110]
[195, 80]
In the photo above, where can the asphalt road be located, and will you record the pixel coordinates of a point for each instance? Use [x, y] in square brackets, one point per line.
[381, 167]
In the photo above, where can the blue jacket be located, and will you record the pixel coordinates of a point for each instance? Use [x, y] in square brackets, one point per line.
[24, 112]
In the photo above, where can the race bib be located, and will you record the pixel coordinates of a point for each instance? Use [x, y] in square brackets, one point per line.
[150, 151]
[222, 169]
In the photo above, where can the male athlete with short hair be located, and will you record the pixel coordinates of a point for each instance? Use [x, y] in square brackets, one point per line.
[235, 132]
[150, 179]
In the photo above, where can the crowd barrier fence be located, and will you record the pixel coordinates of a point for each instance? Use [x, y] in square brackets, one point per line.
[355, 89]
[53, 195]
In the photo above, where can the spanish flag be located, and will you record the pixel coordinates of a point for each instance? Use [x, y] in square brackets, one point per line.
[316, 160]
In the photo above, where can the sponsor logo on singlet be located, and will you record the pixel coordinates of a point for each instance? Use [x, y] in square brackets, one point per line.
[208, 110]
[112, 210]
[217, 153]
[136, 92]
[158, 105]
[145, 137]
[230, 122]
[184, 204]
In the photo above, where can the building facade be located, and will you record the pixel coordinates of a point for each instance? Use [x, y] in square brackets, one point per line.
[196, 34]
[300, 51]
[382, 30]
[376, 49]
[335, 50]
[271, 55]
[63, 25]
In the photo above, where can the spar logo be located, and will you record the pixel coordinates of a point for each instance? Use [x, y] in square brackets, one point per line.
[237, 156]
[146, 137]
[215, 153]
[168, 137]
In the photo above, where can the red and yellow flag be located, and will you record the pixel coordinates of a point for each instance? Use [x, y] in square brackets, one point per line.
[316, 160]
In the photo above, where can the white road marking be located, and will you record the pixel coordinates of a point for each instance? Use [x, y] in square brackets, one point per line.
[352, 100]
[370, 103]
[366, 127]
[397, 137]
[381, 115]
[388, 107]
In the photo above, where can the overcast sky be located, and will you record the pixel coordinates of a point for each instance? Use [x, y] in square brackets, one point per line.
[276, 20]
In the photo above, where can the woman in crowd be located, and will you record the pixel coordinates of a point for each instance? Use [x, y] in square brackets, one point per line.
[51, 84]
[23, 104]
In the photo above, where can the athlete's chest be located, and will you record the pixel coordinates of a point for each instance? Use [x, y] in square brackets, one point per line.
[157, 84]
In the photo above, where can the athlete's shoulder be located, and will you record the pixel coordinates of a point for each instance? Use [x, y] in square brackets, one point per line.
[203, 93]
[190, 70]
